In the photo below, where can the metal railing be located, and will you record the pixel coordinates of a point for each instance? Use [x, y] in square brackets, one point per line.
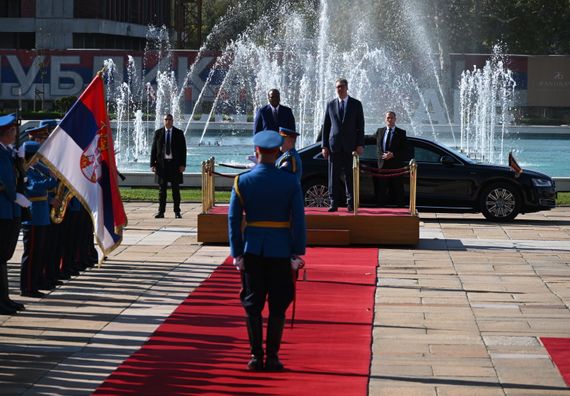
[355, 181]
[208, 185]
[411, 169]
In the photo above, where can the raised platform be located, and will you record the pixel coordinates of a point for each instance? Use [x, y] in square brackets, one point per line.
[371, 226]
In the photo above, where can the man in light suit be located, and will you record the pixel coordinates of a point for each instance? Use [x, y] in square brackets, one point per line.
[168, 162]
[343, 133]
[391, 149]
[274, 115]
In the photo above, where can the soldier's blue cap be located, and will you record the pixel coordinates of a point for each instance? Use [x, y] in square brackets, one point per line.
[41, 131]
[267, 140]
[49, 123]
[31, 147]
[287, 132]
[7, 120]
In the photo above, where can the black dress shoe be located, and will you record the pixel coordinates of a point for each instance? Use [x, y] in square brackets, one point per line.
[273, 364]
[350, 209]
[33, 293]
[16, 305]
[159, 215]
[333, 209]
[256, 363]
[178, 215]
[6, 309]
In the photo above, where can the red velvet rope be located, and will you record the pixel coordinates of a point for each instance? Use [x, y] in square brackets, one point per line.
[231, 176]
[377, 172]
[373, 174]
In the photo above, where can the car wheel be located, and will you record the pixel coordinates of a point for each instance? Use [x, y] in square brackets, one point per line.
[500, 202]
[316, 194]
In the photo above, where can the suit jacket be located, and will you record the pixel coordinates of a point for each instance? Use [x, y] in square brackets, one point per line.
[178, 148]
[397, 147]
[264, 119]
[343, 135]
[7, 184]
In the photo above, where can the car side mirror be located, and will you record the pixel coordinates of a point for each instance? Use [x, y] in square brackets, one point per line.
[447, 160]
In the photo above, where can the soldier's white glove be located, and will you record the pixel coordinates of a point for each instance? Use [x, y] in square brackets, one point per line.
[21, 152]
[238, 263]
[297, 263]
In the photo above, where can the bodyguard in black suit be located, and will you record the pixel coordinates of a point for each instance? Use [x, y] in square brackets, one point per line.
[274, 115]
[168, 162]
[391, 149]
[343, 133]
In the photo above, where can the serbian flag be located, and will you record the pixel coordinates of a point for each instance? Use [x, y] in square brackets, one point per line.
[80, 151]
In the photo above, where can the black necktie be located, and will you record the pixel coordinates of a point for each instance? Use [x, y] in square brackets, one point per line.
[168, 142]
[341, 110]
[388, 139]
[275, 118]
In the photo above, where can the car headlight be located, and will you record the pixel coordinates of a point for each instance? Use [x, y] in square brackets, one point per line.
[542, 182]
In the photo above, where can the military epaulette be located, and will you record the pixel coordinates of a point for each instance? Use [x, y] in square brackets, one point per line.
[236, 189]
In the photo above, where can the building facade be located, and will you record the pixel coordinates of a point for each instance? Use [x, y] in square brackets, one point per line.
[66, 24]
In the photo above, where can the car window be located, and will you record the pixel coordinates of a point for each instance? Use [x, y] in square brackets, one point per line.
[423, 154]
[369, 153]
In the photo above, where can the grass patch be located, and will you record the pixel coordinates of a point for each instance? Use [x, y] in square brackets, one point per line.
[186, 194]
[563, 199]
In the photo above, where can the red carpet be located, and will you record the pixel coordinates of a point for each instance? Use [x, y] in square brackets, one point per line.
[559, 350]
[202, 347]
[223, 209]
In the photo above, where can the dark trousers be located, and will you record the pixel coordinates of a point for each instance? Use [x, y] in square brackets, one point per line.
[32, 258]
[268, 279]
[340, 163]
[52, 262]
[171, 174]
[389, 191]
[9, 229]
[70, 244]
[85, 248]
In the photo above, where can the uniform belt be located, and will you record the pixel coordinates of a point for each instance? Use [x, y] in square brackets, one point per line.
[37, 199]
[269, 224]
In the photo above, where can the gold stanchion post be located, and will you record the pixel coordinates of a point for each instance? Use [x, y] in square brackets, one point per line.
[213, 183]
[413, 183]
[204, 203]
[355, 181]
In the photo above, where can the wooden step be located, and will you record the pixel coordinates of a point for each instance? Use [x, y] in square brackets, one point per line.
[328, 237]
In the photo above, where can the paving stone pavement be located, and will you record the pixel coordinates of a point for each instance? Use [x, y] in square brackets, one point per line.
[459, 314]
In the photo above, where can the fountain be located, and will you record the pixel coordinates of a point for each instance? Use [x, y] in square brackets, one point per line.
[486, 97]
[301, 50]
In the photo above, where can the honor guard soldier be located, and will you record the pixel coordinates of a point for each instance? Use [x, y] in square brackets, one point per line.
[35, 230]
[290, 160]
[274, 233]
[9, 211]
[52, 245]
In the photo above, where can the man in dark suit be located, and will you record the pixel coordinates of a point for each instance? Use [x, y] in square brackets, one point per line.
[343, 133]
[274, 115]
[391, 149]
[168, 162]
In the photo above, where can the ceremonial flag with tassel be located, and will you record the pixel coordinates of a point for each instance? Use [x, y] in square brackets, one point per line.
[80, 151]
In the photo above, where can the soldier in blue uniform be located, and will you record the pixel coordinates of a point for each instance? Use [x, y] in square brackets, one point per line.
[290, 160]
[52, 246]
[35, 229]
[9, 211]
[275, 232]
